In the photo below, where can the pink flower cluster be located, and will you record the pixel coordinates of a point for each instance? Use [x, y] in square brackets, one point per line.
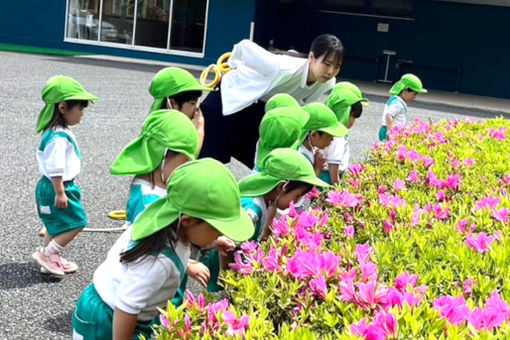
[455, 310]
[344, 199]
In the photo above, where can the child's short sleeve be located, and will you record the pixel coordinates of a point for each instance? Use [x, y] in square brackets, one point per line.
[395, 108]
[338, 153]
[54, 157]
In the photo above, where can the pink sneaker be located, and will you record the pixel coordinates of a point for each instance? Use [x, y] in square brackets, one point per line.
[68, 267]
[50, 263]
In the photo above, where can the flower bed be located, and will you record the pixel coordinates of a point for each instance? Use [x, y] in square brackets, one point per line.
[414, 245]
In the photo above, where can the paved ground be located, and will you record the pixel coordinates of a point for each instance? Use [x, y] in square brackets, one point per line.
[34, 306]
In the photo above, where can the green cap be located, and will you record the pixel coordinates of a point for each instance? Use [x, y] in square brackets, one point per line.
[171, 81]
[163, 129]
[280, 128]
[323, 119]
[342, 97]
[280, 165]
[280, 100]
[203, 189]
[408, 80]
[57, 90]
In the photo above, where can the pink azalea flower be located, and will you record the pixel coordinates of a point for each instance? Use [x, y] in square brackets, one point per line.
[360, 328]
[440, 196]
[452, 182]
[381, 189]
[402, 153]
[455, 163]
[440, 213]
[312, 194]
[416, 215]
[404, 280]
[356, 169]
[411, 299]
[280, 227]
[506, 178]
[427, 162]
[292, 210]
[488, 202]
[363, 252]
[307, 263]
[399, 185]
[319, 287]
[164, 321]
[270, 263]
[461, 225]
[501, 215]
[310, 240]
[387, 322]
[480, 243]
[468, 162]
[370, 295]
[387, 226]
[468, 286]
[215, 309]
[369, 271]
[344, 199]
[452, 309]
[349, 231]
[412, 155]
[235, 326]
[432, 180]
[347, 291]
[239, 266]
[354, 183]
[496, 311]
[440, 137]
[413, 177]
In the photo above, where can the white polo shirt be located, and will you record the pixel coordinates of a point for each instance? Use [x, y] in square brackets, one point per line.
[397, 108]
[260, 74]
[58, 154]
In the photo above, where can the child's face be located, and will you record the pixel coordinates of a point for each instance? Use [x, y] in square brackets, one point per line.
[188, 108]
[198, 232]
[71, 115]
[409, 96]
[320, 140]
[284, 199]
[324, 68]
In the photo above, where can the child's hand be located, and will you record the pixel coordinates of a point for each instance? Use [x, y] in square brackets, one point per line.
[319, 162]
[199, 272]
[198, 120]
[224, 245]
[61, 201]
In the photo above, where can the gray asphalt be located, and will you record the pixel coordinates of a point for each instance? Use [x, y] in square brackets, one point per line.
[35, 306]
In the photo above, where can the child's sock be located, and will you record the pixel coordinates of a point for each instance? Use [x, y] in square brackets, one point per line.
[53, 248]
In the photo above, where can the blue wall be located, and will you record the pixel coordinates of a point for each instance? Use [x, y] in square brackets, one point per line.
[41, 23]
[442, 38]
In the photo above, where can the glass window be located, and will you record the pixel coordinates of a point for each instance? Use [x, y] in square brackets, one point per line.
[393, 7]
[344, 4]
[83, 19]
[117, 23]
[402, 8]
[152, 23]
[188, 23]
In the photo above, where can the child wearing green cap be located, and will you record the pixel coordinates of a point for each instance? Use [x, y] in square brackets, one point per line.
[346, 101]
[167, 140]
[58, 196]
[403, 92]
[285, 176]
[174, 88]
[140, 274]
[320, 130]
[281, 127]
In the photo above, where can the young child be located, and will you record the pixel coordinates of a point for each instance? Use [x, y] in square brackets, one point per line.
[346, 101]
[177, 89]
[404, 92]
[256, 76]
[168, 139]
[285, 176]
[141, 274]
[57, 195]
[321, 129]
[280, 128]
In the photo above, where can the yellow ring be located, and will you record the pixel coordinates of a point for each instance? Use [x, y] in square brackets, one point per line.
[117, 214]
[222, 62]
[205, 73]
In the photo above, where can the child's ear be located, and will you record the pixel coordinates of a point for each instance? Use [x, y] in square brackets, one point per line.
[62, 107]
[187, 221]
[311, 56]
[280, 188]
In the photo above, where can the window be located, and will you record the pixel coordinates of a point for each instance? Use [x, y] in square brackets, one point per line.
[176, 25]
[398, 8]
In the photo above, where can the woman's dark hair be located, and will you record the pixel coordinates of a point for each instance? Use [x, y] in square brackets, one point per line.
[152, 244]
[58, 119]
[328, 45]
[183, 97]
[296, 185]
[356, 110]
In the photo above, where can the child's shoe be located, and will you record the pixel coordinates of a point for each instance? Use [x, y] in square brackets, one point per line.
[68, 266]
[51, 263]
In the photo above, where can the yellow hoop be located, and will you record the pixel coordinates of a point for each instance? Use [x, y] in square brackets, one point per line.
[117, 214]
[222, 63]
[205, 73]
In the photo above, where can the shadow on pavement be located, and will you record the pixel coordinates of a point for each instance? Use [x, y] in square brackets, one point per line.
[60, 323]
[20, 275]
